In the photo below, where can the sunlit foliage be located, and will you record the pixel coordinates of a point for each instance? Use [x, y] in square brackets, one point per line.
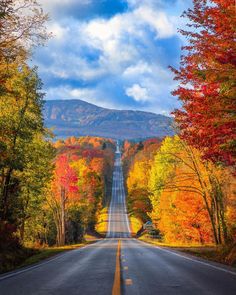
[190, 200]
[81, 186]
[207, 78]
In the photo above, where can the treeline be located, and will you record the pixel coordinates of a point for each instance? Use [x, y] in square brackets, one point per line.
[25, 152]
[189, 200]
[189, 180]
[80, 188]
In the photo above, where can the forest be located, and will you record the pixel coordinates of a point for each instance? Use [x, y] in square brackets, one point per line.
[51, 192]
[189, 200]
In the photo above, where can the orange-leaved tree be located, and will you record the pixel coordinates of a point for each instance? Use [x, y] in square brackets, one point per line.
[64, 186]
[179, 172]
[207, 78]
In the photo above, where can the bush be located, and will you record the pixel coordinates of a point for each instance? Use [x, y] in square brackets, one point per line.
[9, 239]
[12, 253]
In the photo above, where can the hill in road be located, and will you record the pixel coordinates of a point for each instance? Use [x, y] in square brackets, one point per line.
[79, 118]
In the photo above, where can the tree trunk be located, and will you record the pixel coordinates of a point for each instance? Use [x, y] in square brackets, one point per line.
[211, 214]
[63, 230]
[22, 230]
[5, 194]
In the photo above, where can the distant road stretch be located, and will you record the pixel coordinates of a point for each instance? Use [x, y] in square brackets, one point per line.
[133, 267]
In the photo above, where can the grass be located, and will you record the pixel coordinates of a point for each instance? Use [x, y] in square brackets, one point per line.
[225, 255]
[28, 256]
[49, 252]
[102, 223]
[218, 254]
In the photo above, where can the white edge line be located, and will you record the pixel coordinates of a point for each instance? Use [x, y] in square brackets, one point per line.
[189, 258]
[38, 264]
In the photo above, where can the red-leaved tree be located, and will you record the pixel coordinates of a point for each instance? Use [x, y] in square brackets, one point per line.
[207, 76]
[65, 183]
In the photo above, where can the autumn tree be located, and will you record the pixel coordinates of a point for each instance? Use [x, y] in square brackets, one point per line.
[207, 78]
[22, 26]
[64, 184]
[92, 164]
[139, 203]
[33, 181]
[20, 121]
[25, 151]
[178, 168]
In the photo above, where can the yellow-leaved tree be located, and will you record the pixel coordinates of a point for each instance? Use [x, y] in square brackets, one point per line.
[188, 194]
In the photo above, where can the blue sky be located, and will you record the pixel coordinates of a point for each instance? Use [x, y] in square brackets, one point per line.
[113, 53]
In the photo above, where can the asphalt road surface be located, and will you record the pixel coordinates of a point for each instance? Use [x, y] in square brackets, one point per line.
[144, 269]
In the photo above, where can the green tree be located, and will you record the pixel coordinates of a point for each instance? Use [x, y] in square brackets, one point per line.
[20, 120]
[33, 180]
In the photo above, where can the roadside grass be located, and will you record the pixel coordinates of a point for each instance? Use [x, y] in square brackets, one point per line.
[102, 222]
[49, 252]
[92, 237]
[221, 254]
[145, 237]
[28, 256]
[135, 224]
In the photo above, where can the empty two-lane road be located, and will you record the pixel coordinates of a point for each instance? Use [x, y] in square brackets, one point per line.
[118, 224]
[144, 269]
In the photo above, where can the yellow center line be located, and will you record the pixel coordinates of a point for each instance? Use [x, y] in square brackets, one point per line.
[116, 285]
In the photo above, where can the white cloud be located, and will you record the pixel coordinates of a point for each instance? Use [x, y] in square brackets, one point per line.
[138, 69]
[116, 37]
[137, 92]
[132, 23]
[90, 95]
[81, 93]
[157, 20]
[109, 36]
[57, 30]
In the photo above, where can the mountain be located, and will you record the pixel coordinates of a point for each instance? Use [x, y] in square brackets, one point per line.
[79, 118]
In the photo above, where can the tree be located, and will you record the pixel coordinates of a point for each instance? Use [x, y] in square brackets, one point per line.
[25, 153]
[139, 203]
[179, 168]
[65, 182]
[86, 169]
[33, 182]
[21, 27]
[20, 120]
[207, 77]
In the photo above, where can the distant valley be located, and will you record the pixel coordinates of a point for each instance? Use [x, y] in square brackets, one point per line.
[79, 118]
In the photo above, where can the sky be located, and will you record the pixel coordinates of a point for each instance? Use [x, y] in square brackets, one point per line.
[113, 53]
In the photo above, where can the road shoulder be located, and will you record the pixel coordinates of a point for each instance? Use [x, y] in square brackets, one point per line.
[189, 255]
[43, 256]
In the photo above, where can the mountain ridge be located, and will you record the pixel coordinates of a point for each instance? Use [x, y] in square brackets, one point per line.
[80, 118]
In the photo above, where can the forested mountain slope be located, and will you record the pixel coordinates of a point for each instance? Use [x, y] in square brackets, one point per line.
[79, 118]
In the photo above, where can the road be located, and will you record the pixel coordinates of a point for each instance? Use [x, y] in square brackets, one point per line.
[118, 224]
[144, 269]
